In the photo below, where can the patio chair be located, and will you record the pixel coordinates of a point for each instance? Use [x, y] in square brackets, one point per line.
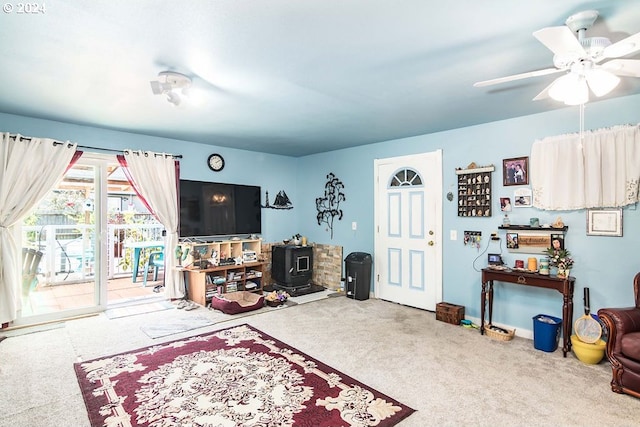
[155, 261]
[30, 263]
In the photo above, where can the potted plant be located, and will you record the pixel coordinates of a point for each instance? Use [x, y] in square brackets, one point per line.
[560, 258]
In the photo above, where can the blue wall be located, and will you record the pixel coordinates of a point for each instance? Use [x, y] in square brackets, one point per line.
[273, 173]
[605, 264]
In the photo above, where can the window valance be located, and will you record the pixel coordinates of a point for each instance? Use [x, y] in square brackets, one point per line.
[599, 170]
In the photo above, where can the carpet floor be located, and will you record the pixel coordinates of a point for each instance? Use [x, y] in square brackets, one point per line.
[134, 310]
[237, 376]
[451, 375]
[167, 328]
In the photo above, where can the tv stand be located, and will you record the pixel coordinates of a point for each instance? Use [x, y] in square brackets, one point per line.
[220, 257]
[201, 283]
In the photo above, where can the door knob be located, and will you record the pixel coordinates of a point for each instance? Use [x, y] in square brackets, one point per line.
[431, 243]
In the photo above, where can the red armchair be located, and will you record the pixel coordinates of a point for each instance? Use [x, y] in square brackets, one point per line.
[623, 345]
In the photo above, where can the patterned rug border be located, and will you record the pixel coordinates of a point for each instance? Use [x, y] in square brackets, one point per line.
[87, 395]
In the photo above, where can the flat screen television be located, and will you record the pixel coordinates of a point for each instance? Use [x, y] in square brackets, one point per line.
[218, 209]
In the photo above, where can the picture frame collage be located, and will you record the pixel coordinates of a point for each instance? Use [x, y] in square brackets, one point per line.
[515, 171]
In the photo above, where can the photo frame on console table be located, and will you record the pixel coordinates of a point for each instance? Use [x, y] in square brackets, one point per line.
[604, 222]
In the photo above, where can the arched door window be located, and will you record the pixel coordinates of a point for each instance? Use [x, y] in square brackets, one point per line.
[406, 178]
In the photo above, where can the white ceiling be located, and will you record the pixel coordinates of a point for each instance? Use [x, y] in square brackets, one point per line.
[290, 77]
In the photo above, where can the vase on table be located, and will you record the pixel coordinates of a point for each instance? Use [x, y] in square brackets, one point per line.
[563, 272]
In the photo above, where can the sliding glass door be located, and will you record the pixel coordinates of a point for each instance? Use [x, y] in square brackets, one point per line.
[62, 268]
[78, 245]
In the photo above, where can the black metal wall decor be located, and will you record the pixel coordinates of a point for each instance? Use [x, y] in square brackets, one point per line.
[329, 206]
[281, 201]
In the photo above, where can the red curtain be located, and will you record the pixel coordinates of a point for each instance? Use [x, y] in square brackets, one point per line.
[73, 161]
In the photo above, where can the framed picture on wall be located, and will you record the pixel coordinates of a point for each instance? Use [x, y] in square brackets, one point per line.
[522, 198]
[604, 222]
[505, 204]
[515, 171]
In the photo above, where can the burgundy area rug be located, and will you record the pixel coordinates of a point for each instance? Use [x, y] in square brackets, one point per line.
[238, 376]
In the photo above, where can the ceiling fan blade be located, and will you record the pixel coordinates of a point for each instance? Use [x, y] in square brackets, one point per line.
[559, 40]
[511, 78]
[623, 67]
[623, 47]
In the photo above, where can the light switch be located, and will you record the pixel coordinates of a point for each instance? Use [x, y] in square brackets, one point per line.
[453, 234]
[354, 225]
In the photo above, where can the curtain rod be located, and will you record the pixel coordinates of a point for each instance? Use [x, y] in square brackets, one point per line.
[111, 150]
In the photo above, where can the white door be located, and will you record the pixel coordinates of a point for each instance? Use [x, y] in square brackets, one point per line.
[408, 240]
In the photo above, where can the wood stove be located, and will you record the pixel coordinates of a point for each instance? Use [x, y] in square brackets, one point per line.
[292, 266]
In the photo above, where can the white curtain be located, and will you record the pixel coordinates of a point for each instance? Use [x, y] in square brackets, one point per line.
[598, 171]
[155, 177]
[29, 168]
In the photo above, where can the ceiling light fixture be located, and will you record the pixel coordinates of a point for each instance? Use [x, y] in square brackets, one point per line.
[581, 59]
[168, 84]
[573, 87]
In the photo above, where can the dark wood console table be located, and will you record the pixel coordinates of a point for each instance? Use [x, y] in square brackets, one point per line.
[564, 285]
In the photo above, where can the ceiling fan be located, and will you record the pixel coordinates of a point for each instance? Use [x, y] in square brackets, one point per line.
[581, 59]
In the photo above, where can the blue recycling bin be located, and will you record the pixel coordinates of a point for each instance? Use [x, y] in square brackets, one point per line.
[546, 332]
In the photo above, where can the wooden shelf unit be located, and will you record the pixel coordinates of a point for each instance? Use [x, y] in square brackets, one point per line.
[201, 286]
[223, 249]
[201, 281]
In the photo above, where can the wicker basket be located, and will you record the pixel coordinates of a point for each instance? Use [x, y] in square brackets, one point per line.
[498, 335]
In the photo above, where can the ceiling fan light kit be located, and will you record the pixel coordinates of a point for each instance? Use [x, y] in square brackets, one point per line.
[579, 57]
[168, 84]
[601, 82]
[571, 89]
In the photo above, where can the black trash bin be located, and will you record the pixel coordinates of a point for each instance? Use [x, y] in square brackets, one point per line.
[357, 275]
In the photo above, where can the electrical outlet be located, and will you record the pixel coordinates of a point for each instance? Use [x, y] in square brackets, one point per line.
[453, 234]
[354, 225]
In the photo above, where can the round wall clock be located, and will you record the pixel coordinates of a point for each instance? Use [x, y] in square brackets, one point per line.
[215, 162]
